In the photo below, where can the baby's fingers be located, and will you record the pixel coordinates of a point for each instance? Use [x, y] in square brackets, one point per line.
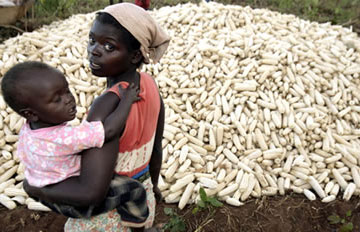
[121, 89]
[134, 87]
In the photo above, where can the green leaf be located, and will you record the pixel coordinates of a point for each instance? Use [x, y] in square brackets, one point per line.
[179, 226]
[334, 219]
[214, 202]
[348, 213]
[168, 211]
[175, 224]
[337, 10]
[166, 226]
[195, 210]
[348, 227]
[201, 203]
[342, 221]
[203, 195]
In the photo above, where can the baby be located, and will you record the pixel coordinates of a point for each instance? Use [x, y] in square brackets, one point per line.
[50, 148]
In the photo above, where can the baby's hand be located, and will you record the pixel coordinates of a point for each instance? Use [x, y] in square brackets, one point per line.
[131, 93]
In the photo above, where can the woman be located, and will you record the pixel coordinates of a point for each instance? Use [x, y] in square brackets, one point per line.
[122, 37]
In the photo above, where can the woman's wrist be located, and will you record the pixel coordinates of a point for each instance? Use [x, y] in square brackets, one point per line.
[32, 191]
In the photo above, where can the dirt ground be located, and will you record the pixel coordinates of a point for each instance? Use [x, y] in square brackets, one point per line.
[290, 213]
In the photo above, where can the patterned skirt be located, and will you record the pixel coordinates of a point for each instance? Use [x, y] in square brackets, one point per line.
[111, 221]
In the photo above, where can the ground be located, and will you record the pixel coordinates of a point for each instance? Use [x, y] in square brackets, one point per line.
[287, 213]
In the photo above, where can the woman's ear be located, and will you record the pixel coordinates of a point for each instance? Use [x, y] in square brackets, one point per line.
[29, 114]
[137, 57]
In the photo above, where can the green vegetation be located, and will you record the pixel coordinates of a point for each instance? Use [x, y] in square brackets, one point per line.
[47, 11]
[343, 12]
[345, 224]
[206, 202]
[335, 11]
[54, 7]
[175, 223]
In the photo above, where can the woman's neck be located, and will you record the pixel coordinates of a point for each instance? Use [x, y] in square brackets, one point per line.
[130, 77]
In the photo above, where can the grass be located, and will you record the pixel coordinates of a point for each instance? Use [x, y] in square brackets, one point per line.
[47, 11]
[335, 11]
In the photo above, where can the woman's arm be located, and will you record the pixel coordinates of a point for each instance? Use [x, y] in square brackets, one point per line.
[97, 168]
[156, 157]
[90, 188]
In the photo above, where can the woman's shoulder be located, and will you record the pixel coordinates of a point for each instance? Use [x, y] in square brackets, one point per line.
[146, 76]
[147, 79]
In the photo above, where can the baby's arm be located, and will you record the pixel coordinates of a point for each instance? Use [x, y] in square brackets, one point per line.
[114, 124]
[114, 113]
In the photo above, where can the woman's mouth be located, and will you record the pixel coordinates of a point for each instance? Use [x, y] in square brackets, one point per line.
[94, 66]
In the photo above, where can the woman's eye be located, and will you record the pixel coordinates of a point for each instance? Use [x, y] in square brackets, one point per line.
[109, 47]
[91, 40]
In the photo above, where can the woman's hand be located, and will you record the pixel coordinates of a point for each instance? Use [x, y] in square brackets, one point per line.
[158, 195]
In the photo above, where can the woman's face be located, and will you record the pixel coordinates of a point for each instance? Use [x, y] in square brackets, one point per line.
[107, 52]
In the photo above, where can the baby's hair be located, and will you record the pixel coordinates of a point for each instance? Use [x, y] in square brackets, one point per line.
[132, 44]
[13, 77]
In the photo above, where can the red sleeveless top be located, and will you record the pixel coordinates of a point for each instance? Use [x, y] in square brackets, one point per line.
[137, 141]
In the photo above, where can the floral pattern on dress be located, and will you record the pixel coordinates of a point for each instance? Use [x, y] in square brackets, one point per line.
[50, 154]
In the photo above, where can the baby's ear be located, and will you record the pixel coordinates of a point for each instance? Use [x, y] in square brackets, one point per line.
[137, 57]
[29, 114]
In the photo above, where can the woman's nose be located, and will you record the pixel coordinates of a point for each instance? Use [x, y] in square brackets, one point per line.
[94, 50]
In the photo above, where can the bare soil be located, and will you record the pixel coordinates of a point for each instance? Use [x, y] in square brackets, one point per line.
[290, 213]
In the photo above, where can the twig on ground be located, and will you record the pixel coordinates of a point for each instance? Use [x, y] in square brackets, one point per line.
[13, 27]
[351, 21]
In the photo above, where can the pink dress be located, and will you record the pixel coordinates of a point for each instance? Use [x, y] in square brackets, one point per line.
[135, 150]
[50, 154]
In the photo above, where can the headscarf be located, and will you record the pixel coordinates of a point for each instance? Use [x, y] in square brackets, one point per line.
[154, 41]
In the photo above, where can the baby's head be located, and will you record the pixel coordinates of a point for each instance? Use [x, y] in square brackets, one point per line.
[112, 49]
[38, 92]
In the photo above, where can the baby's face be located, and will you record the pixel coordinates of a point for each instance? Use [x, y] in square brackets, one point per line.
[107, 53]
[51, 99]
